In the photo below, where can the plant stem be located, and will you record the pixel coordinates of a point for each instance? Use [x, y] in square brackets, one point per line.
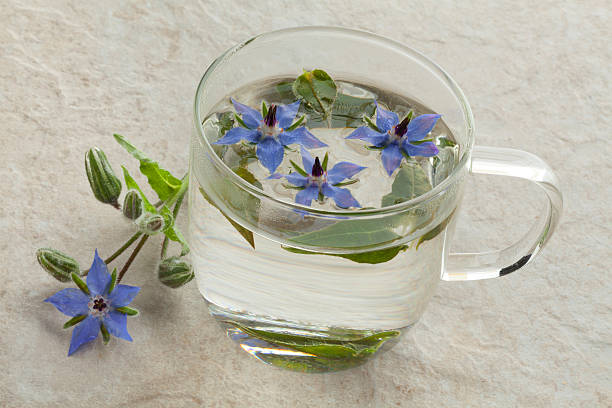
[119, 251]
[123, 248]
[132, 257]
[177, 207]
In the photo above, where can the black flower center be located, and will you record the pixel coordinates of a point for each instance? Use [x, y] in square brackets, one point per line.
[317, 169]
[99, 304]
[402, 127]
[270, 118]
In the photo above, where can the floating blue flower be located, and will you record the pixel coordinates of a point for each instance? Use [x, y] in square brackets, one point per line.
[317, 180]
[98, 306]
[271, 133]
[395, 137]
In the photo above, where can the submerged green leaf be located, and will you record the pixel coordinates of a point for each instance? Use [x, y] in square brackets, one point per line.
[349, 234]
[161, 181]
[410, 182]
[372, 257]
[225, 122]
[317, 89]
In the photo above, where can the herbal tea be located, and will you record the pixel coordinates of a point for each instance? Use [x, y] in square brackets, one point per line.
[318, 292]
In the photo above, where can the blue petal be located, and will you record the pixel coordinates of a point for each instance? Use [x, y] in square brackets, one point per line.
[369, 135]
[98, 276]
[302, 137]
[234, 135]
[251, 117]
[286, 113]
[297, 179]
[308, 194]
[116, 323]
[391, 157]
[420, 126]
[70, 301]
[341, 171]
[342, 196]
[426, 149]
[123, 295]
[307, 160]
[275, 176]
[270, 153]
[84, 332]
[385, 119]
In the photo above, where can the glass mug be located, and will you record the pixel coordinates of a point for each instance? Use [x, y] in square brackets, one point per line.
[323, 304]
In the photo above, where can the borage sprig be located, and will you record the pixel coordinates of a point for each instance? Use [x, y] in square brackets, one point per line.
[101, 304]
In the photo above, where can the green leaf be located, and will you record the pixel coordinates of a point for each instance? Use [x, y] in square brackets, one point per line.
[329, 348]
[246, 234]
[131, 184]
[296, 124]
[264, 109]
[240, 121]
[410, 182]
[445, 142]
[285, 91]
[79, 282]
[324, 164]
[372, 257]
[371, 124]
[317, 89]
[113, 281]
[174, 234]
[105, 333]
[347, 111]
[225, 122]
[161, 181]
[74, 320]
[127, 310]
[349, 234]
[435, 232]
[298, 168]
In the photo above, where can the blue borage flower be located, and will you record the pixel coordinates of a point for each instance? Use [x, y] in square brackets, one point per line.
[397, 138]
[317, 180]
[98, 307]
[271, 133]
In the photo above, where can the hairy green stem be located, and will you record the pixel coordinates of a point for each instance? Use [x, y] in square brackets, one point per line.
[132, 257]
[119, 251]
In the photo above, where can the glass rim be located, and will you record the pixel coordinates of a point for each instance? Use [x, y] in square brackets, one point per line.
[392, 209]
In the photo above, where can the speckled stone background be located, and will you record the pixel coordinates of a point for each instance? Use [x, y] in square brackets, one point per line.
[538, 78]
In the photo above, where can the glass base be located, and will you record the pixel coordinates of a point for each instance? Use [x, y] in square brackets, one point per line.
[303, 348]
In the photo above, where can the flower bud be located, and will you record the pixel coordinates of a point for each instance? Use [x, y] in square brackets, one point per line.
[150, 224]
[174, 272]
[58, 264]
[104, 184]
[132, 205]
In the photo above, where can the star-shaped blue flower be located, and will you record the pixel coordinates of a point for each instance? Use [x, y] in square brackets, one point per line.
[97, 307]
[317, 180]
[271, 133]
[395, 137]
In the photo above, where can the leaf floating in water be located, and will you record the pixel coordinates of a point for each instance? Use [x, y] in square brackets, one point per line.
[317, 89]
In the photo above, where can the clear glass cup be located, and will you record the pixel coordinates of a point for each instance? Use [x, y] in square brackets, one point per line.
[315, 305]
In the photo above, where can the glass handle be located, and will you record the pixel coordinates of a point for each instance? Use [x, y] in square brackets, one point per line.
[513, 163]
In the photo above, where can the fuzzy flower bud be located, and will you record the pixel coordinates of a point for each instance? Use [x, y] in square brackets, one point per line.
[104, 184]
[132, 205]
[174, 272]
[58, 264]
[150, 224]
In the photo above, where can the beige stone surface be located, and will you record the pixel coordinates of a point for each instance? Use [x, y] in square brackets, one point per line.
[538, 77]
